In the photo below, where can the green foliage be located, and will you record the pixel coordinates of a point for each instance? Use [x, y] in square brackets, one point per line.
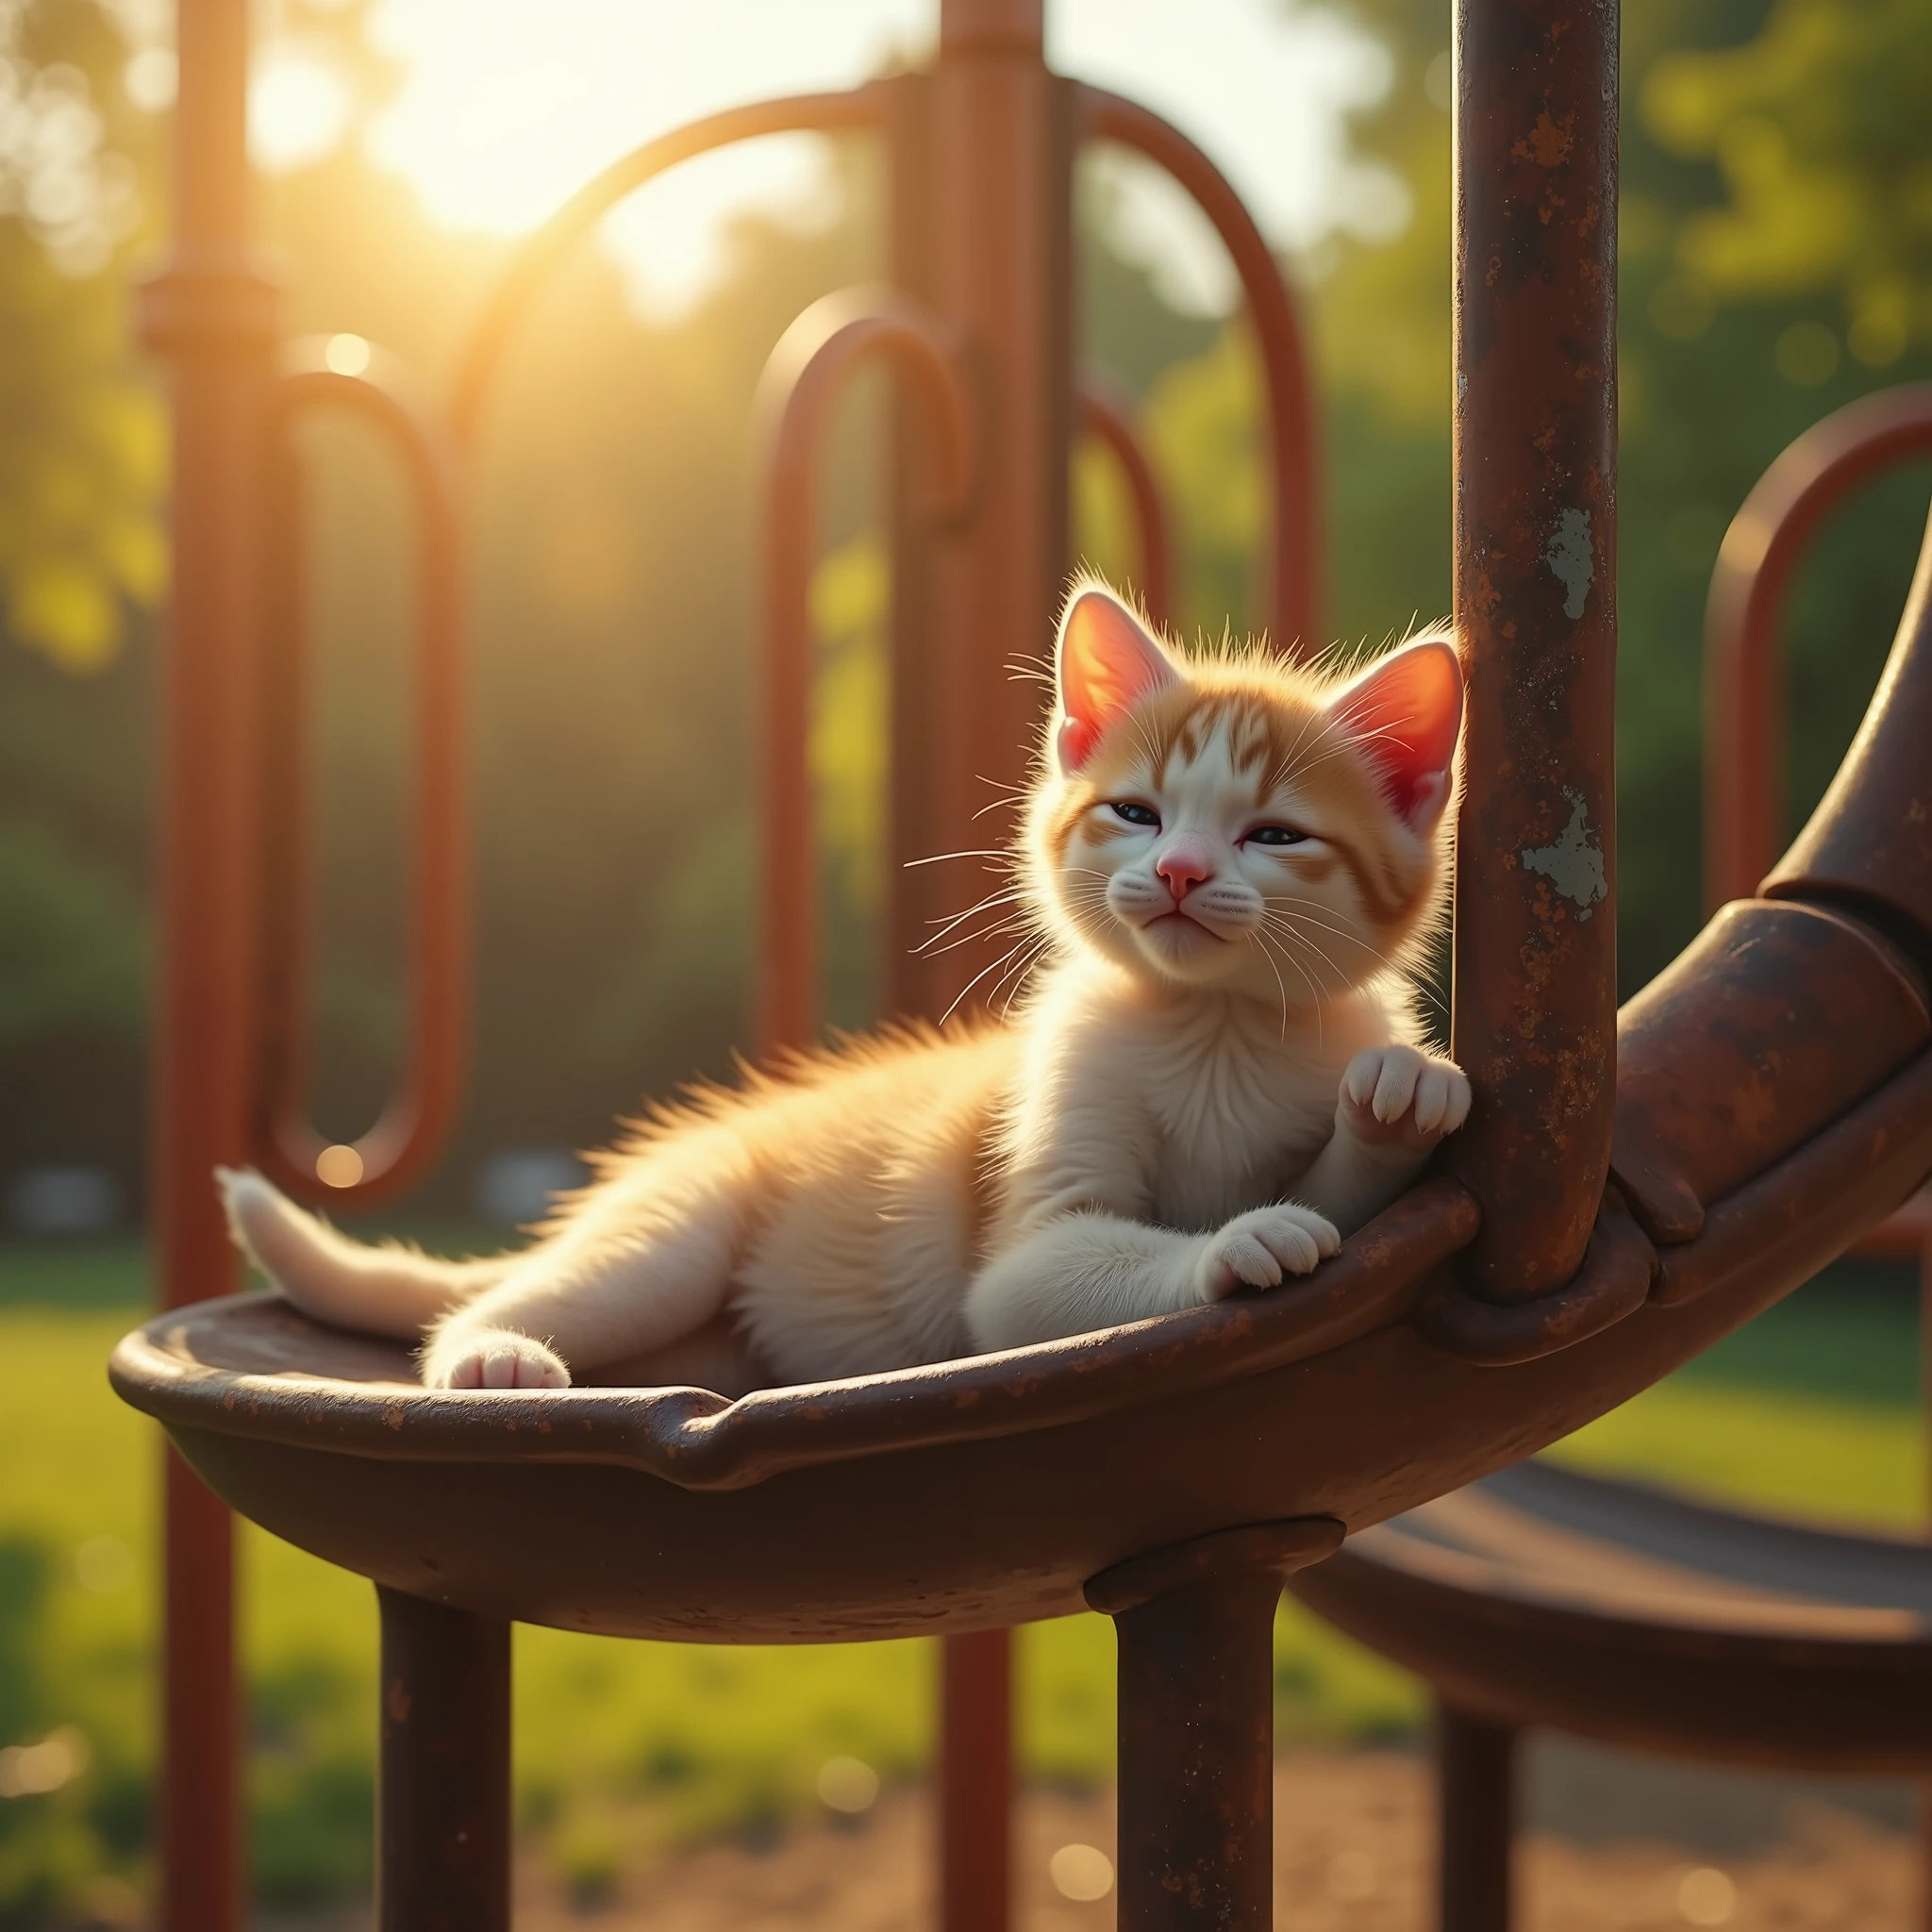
[82, 444]
[1818, 126]
[70, 953]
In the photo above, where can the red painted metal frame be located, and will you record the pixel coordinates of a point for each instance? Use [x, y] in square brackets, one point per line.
[1105, 417]
[801, 384]
[409, 1132]
[1743, 715]
[211, 314]
[232, 1064]
[1293, 601]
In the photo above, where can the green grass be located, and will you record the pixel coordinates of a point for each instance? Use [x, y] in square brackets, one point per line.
[1814, 1408]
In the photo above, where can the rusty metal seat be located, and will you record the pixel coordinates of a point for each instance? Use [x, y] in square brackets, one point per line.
[1629, 1614]
[1623, 1613]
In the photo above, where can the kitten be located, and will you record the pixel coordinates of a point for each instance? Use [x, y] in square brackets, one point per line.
[1217, 1075]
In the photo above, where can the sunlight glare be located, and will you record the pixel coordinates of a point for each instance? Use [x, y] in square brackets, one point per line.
[346, 354]
[298, 109]
[505, 110]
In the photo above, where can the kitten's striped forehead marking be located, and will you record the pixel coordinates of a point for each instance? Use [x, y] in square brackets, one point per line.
[1277, 740]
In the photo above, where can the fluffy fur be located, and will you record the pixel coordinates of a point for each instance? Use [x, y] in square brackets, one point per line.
[1217, 1074]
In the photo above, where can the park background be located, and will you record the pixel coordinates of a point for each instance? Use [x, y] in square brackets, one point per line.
[1776, 262]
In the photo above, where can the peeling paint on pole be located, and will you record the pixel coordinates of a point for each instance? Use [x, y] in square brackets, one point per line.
[1569, 557]
[1574, 864]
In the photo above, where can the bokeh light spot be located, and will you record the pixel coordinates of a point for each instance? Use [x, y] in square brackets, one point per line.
[1081, 1872]
[1706, 1896]
[338, 1166]
[848, 1785]
[346, 354]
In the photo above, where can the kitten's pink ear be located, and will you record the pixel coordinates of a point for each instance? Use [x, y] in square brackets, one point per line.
[1104, 661]
[1407, 712]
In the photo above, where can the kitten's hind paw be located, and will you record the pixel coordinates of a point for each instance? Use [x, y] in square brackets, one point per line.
[492, 1359]
[1260, 1247]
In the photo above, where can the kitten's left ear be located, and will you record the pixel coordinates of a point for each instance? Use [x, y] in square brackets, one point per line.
[1406, 710]
[1105, 659]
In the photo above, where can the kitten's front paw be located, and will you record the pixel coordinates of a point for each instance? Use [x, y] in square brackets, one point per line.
[492, 1359]
[1401, 1097]
[1256, 1249]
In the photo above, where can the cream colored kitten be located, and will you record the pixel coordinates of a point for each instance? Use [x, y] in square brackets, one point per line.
[1216, 1077]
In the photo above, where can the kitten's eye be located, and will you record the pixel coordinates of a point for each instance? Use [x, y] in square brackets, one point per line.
[1136, 814]
[1277, 835]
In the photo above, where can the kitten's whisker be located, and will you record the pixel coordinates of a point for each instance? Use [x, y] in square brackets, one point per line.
[941, 857]
[976, 980]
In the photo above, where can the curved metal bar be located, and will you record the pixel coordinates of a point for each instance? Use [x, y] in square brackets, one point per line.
[800, 383]
[1293, 602]
[1744, 723]
[412, 1127]
[822, 113]
[1104, 415]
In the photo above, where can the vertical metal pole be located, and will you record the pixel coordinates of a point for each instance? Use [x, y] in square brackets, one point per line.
[982, 232]
[975, 1781]
[1196, 1846]
[1475, 1811]
[1193, 1624]
[442, 1837]
[214, 317]
[1536, 560]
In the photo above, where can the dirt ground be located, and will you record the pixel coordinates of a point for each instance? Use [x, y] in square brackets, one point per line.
[1353, 1853]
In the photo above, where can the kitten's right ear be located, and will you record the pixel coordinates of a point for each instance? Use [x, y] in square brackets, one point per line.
[1105, 660]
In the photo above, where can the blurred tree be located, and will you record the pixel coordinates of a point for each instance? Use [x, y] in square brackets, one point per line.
[81, 444]
[82, 563]
[1819, 126]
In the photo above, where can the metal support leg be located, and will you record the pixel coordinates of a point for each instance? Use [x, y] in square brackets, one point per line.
[1194, 1622]
[1475, 1797]
[976, 1782]
[442, 1795]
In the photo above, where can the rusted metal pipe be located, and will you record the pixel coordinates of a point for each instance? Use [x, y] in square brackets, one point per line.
[1105, 417]
[1292, 595]
[211, 314]
[1535, 943]
[409, 1132]
[1743, 711]
[1194, 1622]
[801, 382]
[975, 1781]
[1475, 1814]
[442, 1812]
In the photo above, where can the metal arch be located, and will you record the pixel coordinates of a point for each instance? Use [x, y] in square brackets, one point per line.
[1744, 722]
[819, 113]
[801, 381]
[1293, 601]
[1104, 416]
[409, 1134]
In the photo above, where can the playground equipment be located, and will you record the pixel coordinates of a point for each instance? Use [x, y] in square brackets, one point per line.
[1169, 1474]
[1539, 1597]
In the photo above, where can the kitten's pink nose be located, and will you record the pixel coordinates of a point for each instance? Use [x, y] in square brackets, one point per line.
[1185, 862]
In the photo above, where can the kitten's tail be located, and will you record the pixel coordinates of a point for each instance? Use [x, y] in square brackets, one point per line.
[383, 1290]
